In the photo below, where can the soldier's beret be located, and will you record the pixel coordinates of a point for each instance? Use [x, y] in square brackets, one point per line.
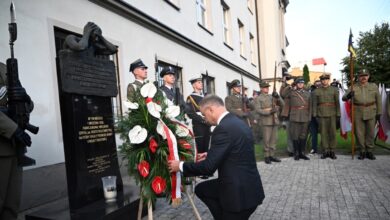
[195, 79]
[136, 64]
[299, 80]
[167, 70]
[235, 83]
[363, 72]
[324, 76]
[264, 84]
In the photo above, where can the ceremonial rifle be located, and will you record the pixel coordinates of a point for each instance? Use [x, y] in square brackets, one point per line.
[273, 98]
[19, 104]
[243, 101]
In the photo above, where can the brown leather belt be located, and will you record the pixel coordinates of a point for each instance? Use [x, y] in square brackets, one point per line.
[299, 107]
[327, 104]
[364, 104]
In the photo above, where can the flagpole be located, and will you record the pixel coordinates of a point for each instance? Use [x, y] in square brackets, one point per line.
[352, 107]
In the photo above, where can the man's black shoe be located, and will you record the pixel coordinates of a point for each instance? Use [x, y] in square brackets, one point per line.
[274, 159]
[267, 160]
[370, 156]
[361, 156]
[324, 155]
[290, 154]
[302, 156]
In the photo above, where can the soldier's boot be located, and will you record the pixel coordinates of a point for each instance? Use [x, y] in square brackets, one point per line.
[296, 150]
[362, 155]
[274, 159]
[302, 149]
[332, 155]
[370, 156]
[267, 160]
[324, 154]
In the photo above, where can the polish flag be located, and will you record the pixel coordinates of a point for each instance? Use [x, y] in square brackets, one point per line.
[318, 61]
[345, 118]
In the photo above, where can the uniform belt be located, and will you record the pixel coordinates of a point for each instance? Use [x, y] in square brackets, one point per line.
[327, 104]
[364, 104]
[299, 107]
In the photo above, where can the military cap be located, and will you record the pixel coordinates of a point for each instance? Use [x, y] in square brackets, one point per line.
[363, 72]
[136, 64]
[299, 80]
[264, 84]
[195, 79]
[235, 83]
[167, 70]
[324, 76]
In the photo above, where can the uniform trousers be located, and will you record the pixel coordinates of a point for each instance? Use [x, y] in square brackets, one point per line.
[327, 127]
[364, 134]
[10, 187]
[298, 130]
[270, 134]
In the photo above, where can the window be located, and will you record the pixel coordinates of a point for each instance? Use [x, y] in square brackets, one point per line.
[178, 76]
[226, 23]
[174, 3]
[250, 5]
[252, 45]
[241, 33]
[204, 14]
[208, 84]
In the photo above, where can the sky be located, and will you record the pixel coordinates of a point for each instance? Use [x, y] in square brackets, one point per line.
[320, 28]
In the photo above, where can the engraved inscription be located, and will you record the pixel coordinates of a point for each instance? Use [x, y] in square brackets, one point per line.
[95, 130]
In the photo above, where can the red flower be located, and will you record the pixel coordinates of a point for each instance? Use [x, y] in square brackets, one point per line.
[143, 168]
[158, 184]
[184, 144]
[153, 145]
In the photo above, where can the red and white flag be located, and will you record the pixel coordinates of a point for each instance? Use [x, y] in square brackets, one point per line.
[383, 125]
[345, 118]
[318, 61]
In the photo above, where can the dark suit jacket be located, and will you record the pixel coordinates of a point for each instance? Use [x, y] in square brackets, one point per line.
[232, 153]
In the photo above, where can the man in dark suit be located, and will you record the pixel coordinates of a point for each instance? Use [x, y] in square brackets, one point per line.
[238, 190]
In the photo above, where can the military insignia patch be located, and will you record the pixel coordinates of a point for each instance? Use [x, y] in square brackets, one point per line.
[3, 92]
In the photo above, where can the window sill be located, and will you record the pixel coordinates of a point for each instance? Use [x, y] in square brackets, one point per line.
[204, 28]
[231, 48]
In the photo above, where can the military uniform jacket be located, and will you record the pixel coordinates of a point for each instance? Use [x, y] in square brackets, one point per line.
[7, 125]
[367, 101]
[326, 102]
[193, 110]
[233, 104]
[171, 95]
[263, 106]
[132, 87]
[297, 106]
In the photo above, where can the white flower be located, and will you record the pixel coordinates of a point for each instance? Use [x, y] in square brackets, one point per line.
[148, 90]
[154, 109]
[130, 105]
[173, 111]
[137, 134]
[182, 131]
[160, 130]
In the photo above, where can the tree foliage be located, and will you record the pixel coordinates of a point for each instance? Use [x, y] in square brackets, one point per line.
[372, 53]
[306, 74]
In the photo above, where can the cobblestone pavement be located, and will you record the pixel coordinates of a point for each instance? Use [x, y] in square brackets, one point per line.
[315, 189]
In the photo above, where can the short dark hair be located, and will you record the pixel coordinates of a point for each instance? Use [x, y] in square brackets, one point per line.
[211, 100]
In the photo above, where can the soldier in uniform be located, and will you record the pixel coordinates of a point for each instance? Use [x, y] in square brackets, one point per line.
[326, 109]
[298, 109]
[234, 102]
[268, 108]
[140, 71]
[199, 125]
[368, 107]
[284, 90]
[10, 171]
[173, 95]
[254, 119]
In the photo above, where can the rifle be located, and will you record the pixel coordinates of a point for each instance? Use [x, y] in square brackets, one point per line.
[205, 87]
[243, 101]
[273, 99]
[19, 104]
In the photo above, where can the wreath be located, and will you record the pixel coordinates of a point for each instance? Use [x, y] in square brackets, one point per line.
[152, 135]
